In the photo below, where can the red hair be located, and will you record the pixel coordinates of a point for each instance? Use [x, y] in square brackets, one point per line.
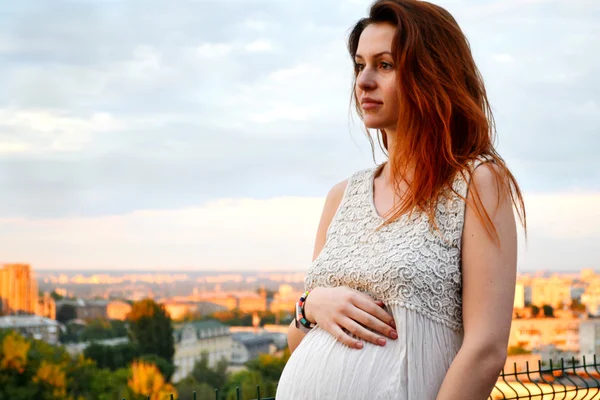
[444, 118]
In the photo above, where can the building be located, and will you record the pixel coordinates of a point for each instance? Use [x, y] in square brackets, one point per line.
[591, 297]
[33, 327]
[46, 307]
[118, 309]
[285, 299]
[78, 348]
[554, 291]
[246, 301]
[18, 289]
[531, 334]
[248, 346]
[86, 309]
[519, 295]
[589, 339]
[251, 301]
[195, 338]
[587, 274]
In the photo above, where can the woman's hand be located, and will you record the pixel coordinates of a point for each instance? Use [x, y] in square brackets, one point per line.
[341, 307]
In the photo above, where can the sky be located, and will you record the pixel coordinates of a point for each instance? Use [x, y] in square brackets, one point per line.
[206, 134]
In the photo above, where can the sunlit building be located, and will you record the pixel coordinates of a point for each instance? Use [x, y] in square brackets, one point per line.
[554, 291]
[194, 338]
[18, 289]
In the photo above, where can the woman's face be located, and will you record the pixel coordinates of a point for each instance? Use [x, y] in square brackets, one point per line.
[376, 88]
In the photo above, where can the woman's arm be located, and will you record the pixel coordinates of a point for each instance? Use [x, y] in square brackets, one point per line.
[332, 202]
[489, 275]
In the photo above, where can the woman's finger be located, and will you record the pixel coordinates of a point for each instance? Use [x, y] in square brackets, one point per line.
[358, 330]
[343, 337]
[372, 322]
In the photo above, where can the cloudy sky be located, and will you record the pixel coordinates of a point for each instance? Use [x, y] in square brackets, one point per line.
[205, 134]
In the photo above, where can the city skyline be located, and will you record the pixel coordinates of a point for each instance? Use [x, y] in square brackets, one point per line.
[206, 136]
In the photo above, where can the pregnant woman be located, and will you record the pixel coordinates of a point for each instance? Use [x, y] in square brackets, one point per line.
[411, 290]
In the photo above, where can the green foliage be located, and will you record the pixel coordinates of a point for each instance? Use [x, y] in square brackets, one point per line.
[56, 296]
[166, 368]
[535, 310]
[577, 306]
[241, 318]
[548, 311]
[270, 367]
[73, 332]
[107, 385]
[151, 328]
[247, 382]
[515, 350]
[66, 313]
[95, 329]
[188, 386]
[112, 357]
[215, 378]
[98, 329]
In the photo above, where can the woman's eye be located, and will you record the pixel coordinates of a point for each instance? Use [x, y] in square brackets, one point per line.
[359, 67]
[385, 65]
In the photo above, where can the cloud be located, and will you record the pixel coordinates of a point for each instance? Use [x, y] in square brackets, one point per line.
[245, 233]
[259, 46]
[229, 233]
[112, 108]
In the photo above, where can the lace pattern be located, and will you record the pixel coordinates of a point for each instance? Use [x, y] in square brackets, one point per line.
[405, 263]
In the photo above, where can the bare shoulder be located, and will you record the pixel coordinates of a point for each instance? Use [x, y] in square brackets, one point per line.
[335, 194]
[490, 183]
[489, 188]
[332, 203]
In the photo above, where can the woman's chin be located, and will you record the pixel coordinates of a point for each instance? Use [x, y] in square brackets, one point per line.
[373, 124]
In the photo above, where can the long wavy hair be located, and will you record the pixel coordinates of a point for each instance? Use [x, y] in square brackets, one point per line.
[445, 118]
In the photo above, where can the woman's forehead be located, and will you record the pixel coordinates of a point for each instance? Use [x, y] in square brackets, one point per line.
[375, 40]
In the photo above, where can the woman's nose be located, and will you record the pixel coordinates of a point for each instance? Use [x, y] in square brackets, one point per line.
[365, 80]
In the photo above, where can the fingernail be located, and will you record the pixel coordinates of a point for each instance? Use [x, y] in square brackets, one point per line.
[359, 345]
[381, 341]
[393, 335]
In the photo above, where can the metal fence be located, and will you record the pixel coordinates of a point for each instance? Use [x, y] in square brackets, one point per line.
[567, 380]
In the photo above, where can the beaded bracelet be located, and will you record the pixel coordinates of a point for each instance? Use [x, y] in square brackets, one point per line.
[301, 322]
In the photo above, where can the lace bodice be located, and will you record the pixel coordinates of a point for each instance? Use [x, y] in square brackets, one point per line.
[405, 263]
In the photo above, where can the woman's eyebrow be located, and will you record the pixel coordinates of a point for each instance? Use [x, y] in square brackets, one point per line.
[375, 55]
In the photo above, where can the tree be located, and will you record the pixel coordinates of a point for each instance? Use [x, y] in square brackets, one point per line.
[215, 378]
[112, 357]
[147, 381]
[576, 305]
[166, 368]
[247, 381]
[107, 385]
[516, 350]
[548, 311]
[150, 327]
[535, 311]
[56, 296]
[66, 313]
[99, 328]
[188, 386]
[270, 367]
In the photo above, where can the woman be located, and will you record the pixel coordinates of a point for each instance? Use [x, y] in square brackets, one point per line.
[411, 290]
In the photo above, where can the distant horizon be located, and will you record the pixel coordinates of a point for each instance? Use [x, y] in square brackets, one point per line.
[244, 271]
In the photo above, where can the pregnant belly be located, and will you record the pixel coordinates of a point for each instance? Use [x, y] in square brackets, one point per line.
[411, 367]
[321, 367]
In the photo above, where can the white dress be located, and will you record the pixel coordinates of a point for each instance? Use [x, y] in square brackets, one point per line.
[415, 271]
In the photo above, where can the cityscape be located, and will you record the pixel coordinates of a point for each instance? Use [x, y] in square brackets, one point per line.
[227, 320]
